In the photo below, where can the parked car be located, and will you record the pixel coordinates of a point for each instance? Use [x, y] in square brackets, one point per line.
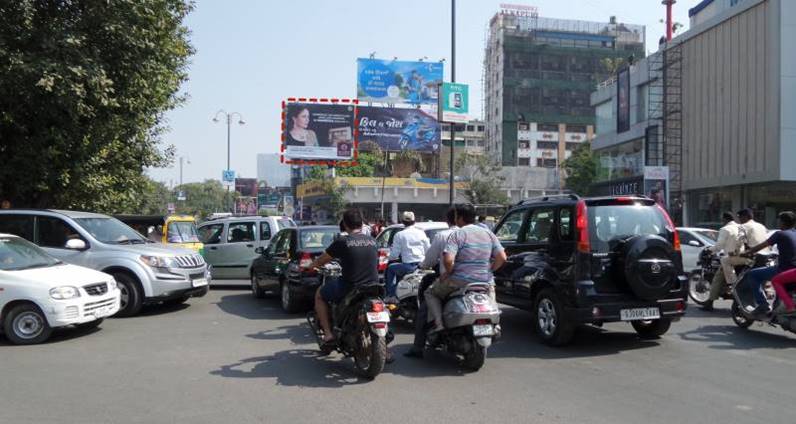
[589, 261]
[171, 230]
[145, 272]
[283, 266]
[693, 241]
[39, 293]
[385, 238]
[231, 243]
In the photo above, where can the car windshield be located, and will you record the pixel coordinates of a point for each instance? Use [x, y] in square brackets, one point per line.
[708, 234]
[17, 254]
[609, 225]
[182, 232]
[110, 230]
[319, 238]
[285, 223]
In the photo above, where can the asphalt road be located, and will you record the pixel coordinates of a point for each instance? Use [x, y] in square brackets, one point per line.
[229, 358]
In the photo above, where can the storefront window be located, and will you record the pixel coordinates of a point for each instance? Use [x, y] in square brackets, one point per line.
[622, 161]
[606, 117]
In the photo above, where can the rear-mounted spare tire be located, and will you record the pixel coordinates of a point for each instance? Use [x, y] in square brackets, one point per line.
[650, 267]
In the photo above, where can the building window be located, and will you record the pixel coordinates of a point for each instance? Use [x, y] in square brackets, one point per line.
[446, 127]
[547, 127]
[480, 143]
[576, 128]
[572, 146]
[551, 145]
[470, 128]
[546, 163]
[524, 126]
[525, 144]
[525, 161]
[481, 128]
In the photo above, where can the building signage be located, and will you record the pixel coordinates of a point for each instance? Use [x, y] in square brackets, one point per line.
[454, 103]
[396, 81]
[396, 129]
[319, 131]
[246, 186]
[519, 10]
[656, 184]
[623, 100]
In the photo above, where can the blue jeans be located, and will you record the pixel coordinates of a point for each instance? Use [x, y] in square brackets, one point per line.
[394, 274]
[759, 276]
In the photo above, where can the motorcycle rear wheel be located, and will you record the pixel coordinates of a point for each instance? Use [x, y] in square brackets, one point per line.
[371, 354]
[698, 288]
[475, 359]
[738, 317]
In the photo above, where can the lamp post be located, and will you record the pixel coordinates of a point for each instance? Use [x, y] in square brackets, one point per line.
[229, 117]
[453, 79]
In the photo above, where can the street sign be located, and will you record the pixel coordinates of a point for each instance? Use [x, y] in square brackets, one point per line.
[181, 195]
[228, 176]
[454, 102]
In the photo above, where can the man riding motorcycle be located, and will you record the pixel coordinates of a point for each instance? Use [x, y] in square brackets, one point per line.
[409, 245]
[729, 242]
[466, 259]
[785, 240]
[359, 259]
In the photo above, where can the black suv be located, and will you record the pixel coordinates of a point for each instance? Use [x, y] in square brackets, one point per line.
[578, 260]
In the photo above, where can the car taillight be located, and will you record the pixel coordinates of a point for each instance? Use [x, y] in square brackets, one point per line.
[305, 261]
[377, 307]
[582, 224]
[671, 228]
[482, 322]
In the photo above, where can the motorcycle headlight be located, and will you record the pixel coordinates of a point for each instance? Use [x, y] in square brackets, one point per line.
[64, 292]
[159, 261]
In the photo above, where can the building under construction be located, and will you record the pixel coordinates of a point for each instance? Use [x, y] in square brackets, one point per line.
[538, 76]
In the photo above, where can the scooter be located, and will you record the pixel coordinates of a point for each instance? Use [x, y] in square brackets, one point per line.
[407, 291]
[472, 324]
[360, 323]
[745, 303]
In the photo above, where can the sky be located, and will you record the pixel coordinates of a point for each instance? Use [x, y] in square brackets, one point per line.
[252, 54]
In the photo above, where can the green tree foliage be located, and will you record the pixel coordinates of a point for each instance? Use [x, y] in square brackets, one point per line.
[202, 199]
[84, 89]
[580, 170]
[484, 179]
[155, 197]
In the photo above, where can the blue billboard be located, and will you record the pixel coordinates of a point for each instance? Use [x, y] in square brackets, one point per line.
[396, 129]
[394, 81]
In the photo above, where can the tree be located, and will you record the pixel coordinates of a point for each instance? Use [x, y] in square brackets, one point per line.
[205, 198]
[82, 99]
[484, 178]
[580, 170]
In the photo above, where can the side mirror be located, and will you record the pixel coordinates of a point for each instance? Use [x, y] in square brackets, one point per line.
[695, 243]
[260, 250]
[76, 244]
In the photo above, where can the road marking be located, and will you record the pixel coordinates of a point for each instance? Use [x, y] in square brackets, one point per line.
[743, 407]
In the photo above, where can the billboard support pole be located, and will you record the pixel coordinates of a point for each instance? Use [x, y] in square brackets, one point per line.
[383, 178]
[453, 79]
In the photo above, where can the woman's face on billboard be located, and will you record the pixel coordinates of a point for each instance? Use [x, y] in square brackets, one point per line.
[302, 120]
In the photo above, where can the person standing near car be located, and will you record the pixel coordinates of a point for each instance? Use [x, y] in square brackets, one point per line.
[409, 246]
[785, 241]
[470, 256]
[728, 246]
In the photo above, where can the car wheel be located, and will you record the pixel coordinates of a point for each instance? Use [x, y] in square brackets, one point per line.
[550, 323]
[90, 325]
[651, 329]
[257, 291]
[131, 295]
[26, 325]
[289, 301]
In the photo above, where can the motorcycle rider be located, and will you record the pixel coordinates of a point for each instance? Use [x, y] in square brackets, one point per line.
[409, 245]
[729, 242]
[752, 232]
[433, 260]
[471, 255]
[785, 240]
[359, 259]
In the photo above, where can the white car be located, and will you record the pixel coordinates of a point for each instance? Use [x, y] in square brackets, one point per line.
[384, 239]
[39, 293]
[693, 240]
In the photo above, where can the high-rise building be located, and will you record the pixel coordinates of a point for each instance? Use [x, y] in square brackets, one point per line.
[271, 170]
[538, 76]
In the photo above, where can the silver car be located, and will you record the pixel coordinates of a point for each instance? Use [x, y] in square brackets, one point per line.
[145, 272]
[692, 241]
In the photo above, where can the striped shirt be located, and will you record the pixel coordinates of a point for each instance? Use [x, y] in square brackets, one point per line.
[474, 248]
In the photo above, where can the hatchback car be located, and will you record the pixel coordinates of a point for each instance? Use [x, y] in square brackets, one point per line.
[283, 267]
[578, 260]
[39, 293]
[230, 244]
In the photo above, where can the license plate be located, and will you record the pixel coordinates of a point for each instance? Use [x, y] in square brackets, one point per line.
[639, 314]
[101, 312]
[199, 282]
[378, 317]
[483, 330]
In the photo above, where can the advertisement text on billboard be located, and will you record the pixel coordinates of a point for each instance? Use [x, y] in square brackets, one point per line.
[395, 129]
[395, 81]
[319, 131]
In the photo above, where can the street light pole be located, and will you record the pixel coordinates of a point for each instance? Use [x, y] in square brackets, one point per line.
[453, 79]
[229, 117]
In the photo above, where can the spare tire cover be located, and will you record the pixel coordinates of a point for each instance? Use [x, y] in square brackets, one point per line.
[650, 268]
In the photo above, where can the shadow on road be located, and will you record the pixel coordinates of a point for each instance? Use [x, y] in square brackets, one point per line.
[60, 335]
[246, 306]
[731, 337]
[297, 334]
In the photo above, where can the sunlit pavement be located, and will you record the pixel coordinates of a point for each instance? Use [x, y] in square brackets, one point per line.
[231, 358]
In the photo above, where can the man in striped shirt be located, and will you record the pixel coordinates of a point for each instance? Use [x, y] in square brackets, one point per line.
[471, 254]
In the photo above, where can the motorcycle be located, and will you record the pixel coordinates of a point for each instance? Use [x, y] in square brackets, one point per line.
[407, 291]
[360, 323]
[472, 324]
[700, 280]
[744, 302]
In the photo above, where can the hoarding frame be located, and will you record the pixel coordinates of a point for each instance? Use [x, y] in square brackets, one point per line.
[623, 109]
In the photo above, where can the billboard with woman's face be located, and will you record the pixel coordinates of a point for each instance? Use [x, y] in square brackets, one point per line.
[319, 131]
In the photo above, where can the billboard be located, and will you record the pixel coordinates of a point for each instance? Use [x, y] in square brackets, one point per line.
[656, 180]
[246, 186]
[399, 129]
[454, 102]
[623, 100]
[319, 131]
[246, 205]
[396, 81]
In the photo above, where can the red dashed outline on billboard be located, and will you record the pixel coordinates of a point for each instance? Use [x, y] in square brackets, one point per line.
[333, 100]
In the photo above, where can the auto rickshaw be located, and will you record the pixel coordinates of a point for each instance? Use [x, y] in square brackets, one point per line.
[171, 230]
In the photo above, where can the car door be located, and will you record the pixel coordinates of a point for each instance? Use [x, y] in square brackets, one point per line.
[238, 253]
[536, 240]
[52, 233]
[279, 258]
[508, 232]
[266, 233]
[562, 248]
[212, 235]
[263, 266]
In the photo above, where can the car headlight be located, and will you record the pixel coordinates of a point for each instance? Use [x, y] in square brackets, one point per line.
[111, 284]
[159, 261]
[64, 292]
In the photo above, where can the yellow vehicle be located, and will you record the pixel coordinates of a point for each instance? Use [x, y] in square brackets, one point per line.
[171, 230]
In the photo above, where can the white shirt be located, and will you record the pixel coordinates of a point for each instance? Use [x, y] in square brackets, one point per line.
[366, 230]
[410, 245]
[755, 233]
[434, 253]
[729, 239]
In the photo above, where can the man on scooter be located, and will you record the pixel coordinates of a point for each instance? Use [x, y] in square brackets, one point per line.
[471, 255]
[409, 245]
[785, 240]
[729, 242]
[359, 260]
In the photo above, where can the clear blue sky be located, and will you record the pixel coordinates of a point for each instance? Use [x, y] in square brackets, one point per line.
[252, 54]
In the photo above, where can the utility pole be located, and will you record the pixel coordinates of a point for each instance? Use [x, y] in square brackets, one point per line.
[229, 117]
[453, 79]
[181, 160]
